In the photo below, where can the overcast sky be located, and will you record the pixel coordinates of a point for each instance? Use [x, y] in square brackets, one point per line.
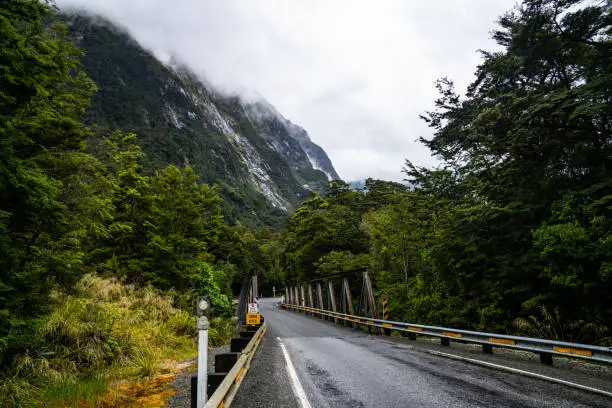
[355, 74]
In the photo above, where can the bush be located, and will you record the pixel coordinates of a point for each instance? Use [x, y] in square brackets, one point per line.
[221, 331]
[102, 325]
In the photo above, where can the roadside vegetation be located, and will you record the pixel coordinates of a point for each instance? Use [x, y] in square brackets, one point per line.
[102, 253]
[100, 257]
[512, 232]
[101, 332]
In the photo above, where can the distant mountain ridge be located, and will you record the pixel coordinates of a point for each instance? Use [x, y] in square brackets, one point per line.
[264, 164]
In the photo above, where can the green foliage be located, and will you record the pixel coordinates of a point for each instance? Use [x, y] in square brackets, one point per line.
[42, 93]
[530, 145]
[70, 212]
[102, 325]
[517, 217]
[338, 262]
[551, 326]
[221, 331]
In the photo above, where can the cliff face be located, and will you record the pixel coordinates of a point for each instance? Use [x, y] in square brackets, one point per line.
[263, 163]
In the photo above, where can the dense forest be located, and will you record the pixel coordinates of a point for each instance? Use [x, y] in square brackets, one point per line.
[101, 254]
[513, 231]
[100, 257]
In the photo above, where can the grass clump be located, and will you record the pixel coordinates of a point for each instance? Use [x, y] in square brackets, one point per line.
[102, 331]
[221, 331]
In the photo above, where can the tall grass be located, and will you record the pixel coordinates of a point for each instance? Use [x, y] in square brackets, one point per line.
[221, 331]
[100, 331]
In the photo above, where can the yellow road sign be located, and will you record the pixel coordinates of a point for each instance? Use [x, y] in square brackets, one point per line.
[253, 318]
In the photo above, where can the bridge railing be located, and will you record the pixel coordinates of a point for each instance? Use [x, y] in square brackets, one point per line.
[225, 392]
[546, 348]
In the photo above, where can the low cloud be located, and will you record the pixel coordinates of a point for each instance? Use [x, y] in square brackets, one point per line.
[354, 74]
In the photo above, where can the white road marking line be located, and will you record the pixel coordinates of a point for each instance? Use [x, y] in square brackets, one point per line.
[521, 372]
[295, 381]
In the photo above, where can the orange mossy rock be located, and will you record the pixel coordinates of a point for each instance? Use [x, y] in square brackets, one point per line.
[151, 392]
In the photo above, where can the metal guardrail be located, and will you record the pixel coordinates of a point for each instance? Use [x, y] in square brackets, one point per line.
[546, 348]
[226, 392]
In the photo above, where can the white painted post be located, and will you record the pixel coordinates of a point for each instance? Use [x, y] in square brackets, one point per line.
[202, 367]
[202, 311]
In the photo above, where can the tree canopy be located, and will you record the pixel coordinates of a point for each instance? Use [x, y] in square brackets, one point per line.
[517, 216]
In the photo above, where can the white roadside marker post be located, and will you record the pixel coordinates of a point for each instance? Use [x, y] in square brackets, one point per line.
[203, 311]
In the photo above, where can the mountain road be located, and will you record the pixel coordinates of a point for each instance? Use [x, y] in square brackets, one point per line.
[307, 362]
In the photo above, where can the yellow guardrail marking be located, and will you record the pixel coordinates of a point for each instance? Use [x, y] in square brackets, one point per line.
[571, 350]
[416, 329]
[502, 341]
[357, 320]
[387, 325]
[451, 334]
[239, 374]
[368, 322]
[220, 405]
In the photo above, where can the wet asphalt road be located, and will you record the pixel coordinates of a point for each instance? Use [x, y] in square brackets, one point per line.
[339, 367]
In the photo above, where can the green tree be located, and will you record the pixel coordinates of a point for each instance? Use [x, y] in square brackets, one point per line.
[532, 132]
[187, 221]
[124, 253]
[43, 92]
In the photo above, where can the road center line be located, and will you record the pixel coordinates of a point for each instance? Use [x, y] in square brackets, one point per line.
[295, 381]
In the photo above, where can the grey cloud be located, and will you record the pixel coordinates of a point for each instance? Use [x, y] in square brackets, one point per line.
[355, 74]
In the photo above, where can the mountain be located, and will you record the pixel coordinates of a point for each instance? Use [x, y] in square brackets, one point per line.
[263, 164]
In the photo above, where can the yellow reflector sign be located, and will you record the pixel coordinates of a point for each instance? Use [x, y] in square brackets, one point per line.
[387, 325]
[416, 329]
[502, 341]
[571, 350]
[451, 334]
[253, 318]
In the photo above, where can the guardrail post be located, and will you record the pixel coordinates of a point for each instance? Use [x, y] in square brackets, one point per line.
[214, 381]
[194, 391]
[546, 359]
[445, 341]
[487, 348]
[237, 344]
[225, 361]
[247, 334]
